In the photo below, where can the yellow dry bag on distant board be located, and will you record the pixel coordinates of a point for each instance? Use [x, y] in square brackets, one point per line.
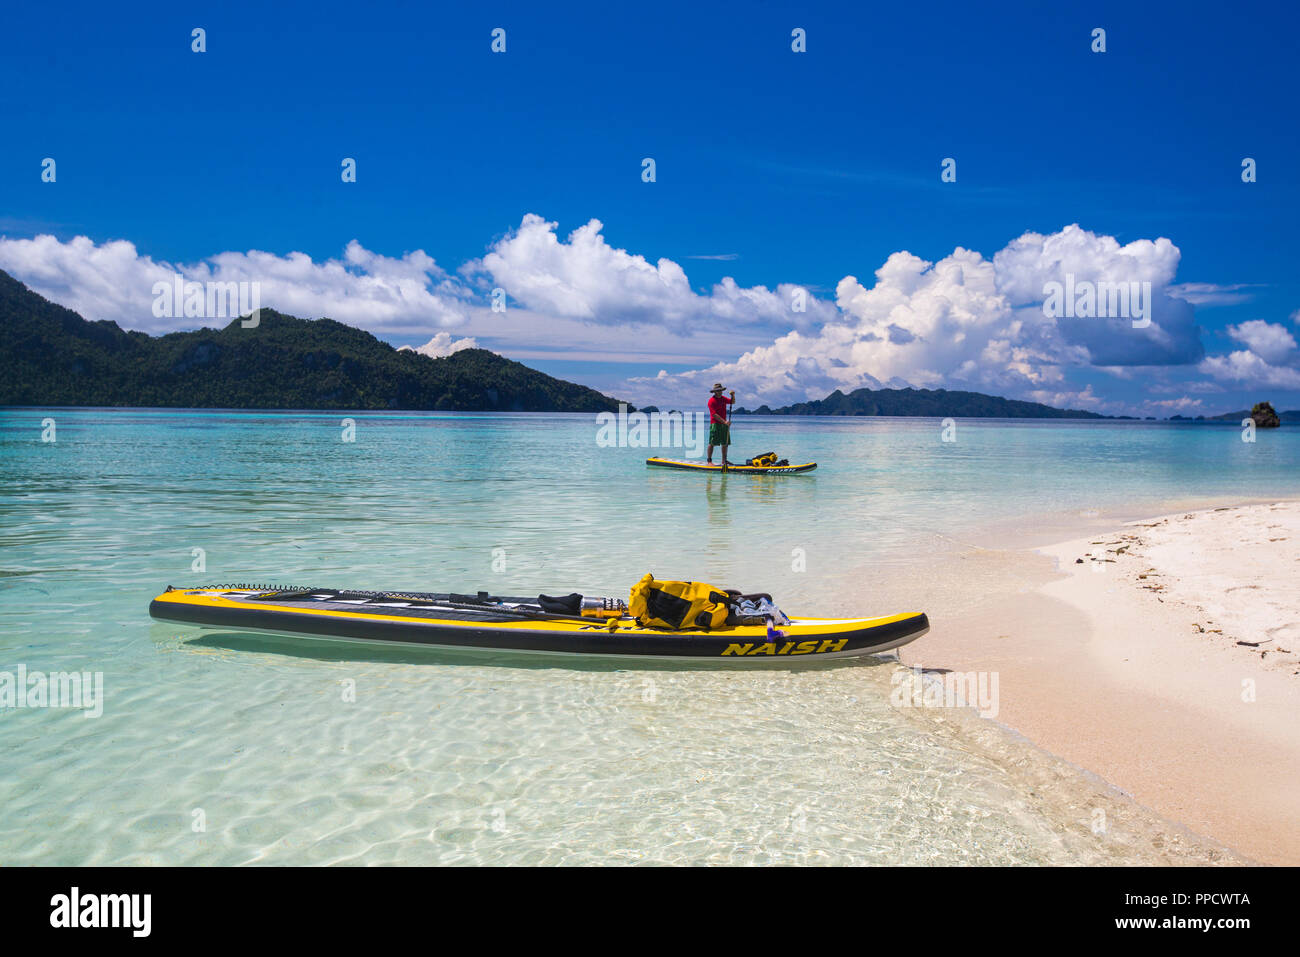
[678, 604]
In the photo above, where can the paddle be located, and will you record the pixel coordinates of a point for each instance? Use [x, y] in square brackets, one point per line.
[731, 405]
[528, 611]
[484, 605]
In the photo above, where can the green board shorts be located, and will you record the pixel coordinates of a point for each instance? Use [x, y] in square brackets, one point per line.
[719, 433]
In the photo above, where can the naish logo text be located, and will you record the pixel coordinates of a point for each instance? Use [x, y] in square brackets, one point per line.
[786, 648]
[103, 910]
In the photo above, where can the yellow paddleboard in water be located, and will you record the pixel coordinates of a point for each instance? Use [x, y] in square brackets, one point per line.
[742, 469]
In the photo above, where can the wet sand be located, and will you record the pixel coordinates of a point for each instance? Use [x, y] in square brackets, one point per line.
[1167, 661]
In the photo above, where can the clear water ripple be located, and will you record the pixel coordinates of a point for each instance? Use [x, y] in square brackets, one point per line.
[236, 749]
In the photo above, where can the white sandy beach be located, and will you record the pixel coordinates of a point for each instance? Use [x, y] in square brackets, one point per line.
[1164, 657]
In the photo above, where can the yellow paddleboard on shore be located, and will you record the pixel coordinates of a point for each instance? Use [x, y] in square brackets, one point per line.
[452, 621]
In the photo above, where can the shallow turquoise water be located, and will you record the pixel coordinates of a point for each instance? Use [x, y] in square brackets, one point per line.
[470, 760]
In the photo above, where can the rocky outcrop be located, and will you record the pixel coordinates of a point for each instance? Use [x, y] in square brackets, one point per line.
[1264, 416]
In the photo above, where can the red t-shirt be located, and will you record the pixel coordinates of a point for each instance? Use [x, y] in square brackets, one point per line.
[718, 408]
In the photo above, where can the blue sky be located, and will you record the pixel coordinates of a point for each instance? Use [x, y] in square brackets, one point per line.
[783, 169]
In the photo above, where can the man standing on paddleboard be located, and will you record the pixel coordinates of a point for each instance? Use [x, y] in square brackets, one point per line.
[719, 424]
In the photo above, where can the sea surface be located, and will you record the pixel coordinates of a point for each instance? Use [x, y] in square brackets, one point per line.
[229, 748]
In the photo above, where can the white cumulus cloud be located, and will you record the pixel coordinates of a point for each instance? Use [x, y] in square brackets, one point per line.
[112, 280]
[1271, 342]
[1271, 357]
[584, 277]
[442, 345]
[966, 322]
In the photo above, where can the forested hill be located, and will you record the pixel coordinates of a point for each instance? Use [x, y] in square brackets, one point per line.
[52, 356]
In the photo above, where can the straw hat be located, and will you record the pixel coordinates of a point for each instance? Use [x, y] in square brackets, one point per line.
[717, 387]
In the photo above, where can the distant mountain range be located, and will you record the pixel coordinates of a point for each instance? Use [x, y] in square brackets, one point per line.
[925, 402]
[49, 355]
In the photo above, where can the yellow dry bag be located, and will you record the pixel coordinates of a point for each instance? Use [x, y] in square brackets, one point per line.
[678, 604]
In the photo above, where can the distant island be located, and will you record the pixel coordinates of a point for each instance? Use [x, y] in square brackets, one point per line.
[1262, 414]
[52, 356]
[924, 402]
